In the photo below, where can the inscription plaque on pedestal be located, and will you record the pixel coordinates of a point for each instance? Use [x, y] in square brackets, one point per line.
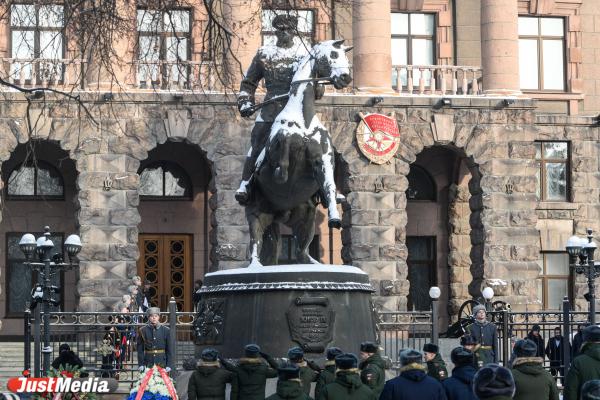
[311, 321]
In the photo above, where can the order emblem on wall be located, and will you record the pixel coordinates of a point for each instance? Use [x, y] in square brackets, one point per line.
[378, 137]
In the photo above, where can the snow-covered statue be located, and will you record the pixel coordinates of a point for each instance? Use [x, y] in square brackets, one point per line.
[289, 168]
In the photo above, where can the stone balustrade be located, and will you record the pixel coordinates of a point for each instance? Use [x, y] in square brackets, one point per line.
[43, 72]
[437, 80]
[176, 75]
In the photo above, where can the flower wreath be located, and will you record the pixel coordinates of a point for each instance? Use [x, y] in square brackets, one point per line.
[154, 384]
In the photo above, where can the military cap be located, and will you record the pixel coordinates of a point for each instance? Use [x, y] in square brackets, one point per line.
[333, 352]
[153, 310]
[525, 348]
[251, 350]
[287, 371]
[369, 347]
[591, 333]
[461, 356]
[209, 355]
[591, 390]
[282, 22]
[468, 340]
[431, 348]
[346, 361]
[295, 354]
[493, 381]
[410, 356]
[478, 308]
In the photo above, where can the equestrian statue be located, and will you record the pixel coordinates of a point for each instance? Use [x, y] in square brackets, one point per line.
[289, 169]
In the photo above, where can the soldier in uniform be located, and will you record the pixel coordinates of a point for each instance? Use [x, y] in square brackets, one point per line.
[209, 380]
[309, 371]
[289, 385]
[153, 343]
[486, 334]
[372, 367]
[274, 64]
[436, 367]
[347, 384]
[471, 344]
[327, 375]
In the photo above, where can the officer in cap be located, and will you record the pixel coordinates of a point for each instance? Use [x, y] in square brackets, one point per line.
[347, 384]
[327, 375]
[372, 367]
[289, 385]
[309, 371]
[209, 380]
[153, 343]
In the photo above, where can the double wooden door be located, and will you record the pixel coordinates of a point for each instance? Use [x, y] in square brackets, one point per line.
[166, 262]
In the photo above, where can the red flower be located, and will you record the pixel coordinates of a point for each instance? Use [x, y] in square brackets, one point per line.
[26, 373]
[67, 374]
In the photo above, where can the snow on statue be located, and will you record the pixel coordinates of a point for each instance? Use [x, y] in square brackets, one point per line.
[289, 168]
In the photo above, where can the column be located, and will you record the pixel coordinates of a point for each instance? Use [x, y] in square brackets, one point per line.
[243, 19]
[500, 47]
[371, 31]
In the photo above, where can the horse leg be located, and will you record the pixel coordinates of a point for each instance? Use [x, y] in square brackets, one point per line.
[257, 222]
[323, 166]
[303, 230]
[271, 246]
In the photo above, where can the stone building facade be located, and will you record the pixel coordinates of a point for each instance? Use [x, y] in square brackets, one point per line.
[485, 222]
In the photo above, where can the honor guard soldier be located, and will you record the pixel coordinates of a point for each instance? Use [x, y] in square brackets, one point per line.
[486, 334]
[372, 367]
[153, 343]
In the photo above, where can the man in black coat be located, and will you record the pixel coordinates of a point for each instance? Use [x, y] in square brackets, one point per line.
[459, 385]
[66, 357]
[535, 336]
[577, 341]
[555, 352]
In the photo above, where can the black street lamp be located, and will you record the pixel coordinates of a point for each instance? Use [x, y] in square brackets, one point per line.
[47, 268]
[584, 250]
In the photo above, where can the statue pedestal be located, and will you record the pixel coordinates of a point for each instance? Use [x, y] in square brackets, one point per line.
[278, 307]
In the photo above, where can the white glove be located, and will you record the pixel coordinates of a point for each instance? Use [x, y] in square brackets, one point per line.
[141, 368]
[168, 369]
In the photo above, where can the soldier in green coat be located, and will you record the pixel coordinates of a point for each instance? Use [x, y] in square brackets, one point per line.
[347, 384]
[372, 367]
[327, 375]
[209, 380]
[532, 381]
[591, 390]
[436, 367]
[586, 366]
[471, 344]
[309, 371]
[289, 385]
[251, 374]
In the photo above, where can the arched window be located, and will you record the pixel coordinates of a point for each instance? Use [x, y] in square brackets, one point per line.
[420, 185]
[35, 180]
[164, 180]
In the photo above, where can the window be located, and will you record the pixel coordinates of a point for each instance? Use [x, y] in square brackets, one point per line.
[288, 244]
[413, 43]
[36, 33]
[20, 279]
[305, 33]
[165, 180]
[163, 42]
[38, 180]
[553, 171]
[542, 53]
[420, 185]
[553, 283]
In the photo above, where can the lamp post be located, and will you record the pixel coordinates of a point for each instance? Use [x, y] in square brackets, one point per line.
[434, 294]
[581, 259]
[488, 295]
[47, 268]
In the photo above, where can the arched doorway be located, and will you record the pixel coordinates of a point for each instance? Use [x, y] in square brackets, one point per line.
[175, 218]
[441, 219]
[39, 189]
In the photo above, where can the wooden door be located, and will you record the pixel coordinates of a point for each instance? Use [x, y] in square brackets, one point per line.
[166, 262]
[421, 271]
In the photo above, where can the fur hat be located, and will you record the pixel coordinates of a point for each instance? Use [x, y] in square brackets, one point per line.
[468, 340]
[209, 355]
[251, 350]
[346, 361]
[295, 354]
[431, 348]
[536, 327]
[287, 371]
[525, 348]
[189, 364]
[410, 356]
[591, 390]
[492, 381]
[478, 308]
[153, 310]
[64, 347]
[284, 21]
[333, 352]
[591, 333]
[369, 347]
[461, 356]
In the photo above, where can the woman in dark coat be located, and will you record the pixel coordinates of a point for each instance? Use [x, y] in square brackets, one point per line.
[459, 385]
[535, 336]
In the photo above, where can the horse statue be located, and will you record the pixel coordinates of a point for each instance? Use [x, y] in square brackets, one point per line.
[294, 171]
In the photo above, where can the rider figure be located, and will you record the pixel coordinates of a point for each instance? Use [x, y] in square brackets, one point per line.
[274, 64]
